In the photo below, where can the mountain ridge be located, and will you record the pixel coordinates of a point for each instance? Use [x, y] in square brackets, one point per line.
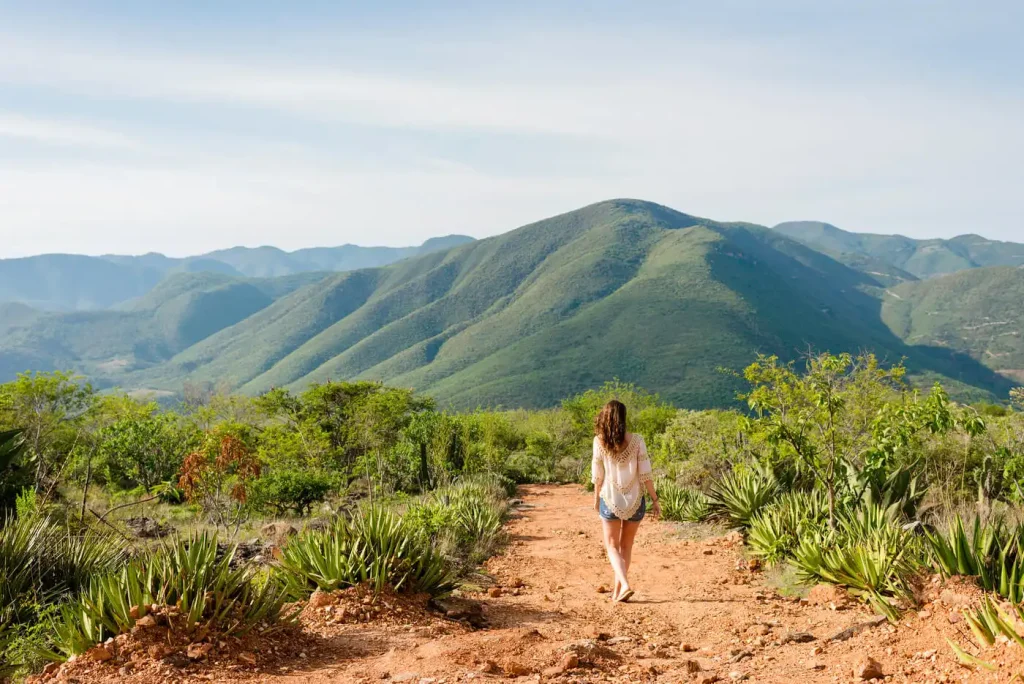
[70, 282]
[622, 288]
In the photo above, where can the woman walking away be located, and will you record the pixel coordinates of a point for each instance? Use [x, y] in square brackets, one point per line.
[621, 472]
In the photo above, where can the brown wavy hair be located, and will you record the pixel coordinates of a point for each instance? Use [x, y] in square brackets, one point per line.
[610, 426]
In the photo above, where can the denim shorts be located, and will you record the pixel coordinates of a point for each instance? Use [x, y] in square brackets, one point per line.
[606, 514]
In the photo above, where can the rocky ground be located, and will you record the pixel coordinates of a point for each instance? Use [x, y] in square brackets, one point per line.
[702, 614]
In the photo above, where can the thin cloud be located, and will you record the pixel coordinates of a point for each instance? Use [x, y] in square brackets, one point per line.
[64, 133]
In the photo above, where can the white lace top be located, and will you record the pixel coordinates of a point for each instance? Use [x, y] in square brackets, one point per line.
[621, 475]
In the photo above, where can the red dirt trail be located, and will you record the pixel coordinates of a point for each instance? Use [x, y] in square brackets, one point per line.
[699, 615]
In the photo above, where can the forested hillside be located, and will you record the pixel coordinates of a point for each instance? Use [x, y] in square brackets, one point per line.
[618, 289]
[920, 258]
[980, 311]
[623, 288]
[62, 282]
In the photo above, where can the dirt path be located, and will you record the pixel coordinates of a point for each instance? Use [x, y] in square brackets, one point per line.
[694, 610]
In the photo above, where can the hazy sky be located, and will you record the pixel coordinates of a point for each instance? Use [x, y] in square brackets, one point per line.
[185, 126]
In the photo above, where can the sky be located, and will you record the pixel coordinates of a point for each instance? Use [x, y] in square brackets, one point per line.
[183, 127]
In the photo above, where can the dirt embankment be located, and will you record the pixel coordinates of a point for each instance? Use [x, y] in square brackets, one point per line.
[700, 615]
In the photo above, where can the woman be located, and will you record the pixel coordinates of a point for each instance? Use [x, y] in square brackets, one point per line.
[621, 472]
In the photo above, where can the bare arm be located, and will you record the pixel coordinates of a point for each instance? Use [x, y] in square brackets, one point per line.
[647, 477]
[597, 476]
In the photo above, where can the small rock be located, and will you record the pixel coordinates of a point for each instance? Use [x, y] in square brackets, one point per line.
[709, 552]
[199, 651]
[687, 647]
[516, 670]
[868, 668]
[737, 676]
[798, 638]
[569, 661]
[602, 589]
[709, 679]
[247, 658]
[815, 666]
[320, 599]
[594, 632]
[615, 641]
[145, 622]
[691, 666]
[494, 592]
[759, 630]
[489, 667]
[278, 532]
[98, 654]
[516, 583]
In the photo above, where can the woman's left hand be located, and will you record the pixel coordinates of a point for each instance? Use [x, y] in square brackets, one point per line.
[656, 509]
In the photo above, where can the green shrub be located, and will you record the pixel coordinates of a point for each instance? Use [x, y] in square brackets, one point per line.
[41, 561]
[682, 504]
[376, 546]
[282, 491]
[775, 532]
[14, 475]
[205, 595]
[737, 497]
[991, 551]
[869, 552]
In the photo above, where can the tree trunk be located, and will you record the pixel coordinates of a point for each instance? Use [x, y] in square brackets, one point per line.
[424, 467]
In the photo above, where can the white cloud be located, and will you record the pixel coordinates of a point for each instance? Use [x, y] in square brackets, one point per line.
[709, 129]
[56, 132]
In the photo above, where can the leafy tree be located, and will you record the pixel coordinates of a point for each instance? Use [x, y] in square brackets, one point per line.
[1017, 397]
[144, 451]
[13, 475]
[218, 477]
[51, 409]
[282, 491]
[843, 411]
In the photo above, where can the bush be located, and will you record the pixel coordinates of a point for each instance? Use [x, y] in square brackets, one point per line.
[869, 552]
[205, 595]
[991, 551]
[775, 532]
[737, 497]
[290, 490]
[375, 547]
[682, 504]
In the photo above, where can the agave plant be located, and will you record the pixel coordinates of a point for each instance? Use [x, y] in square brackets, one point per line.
[987, 622]
[739, 495]
[775, 532]
[682, 504]
[869, 552]
[991, 551]
[208, 595]
[375, 547]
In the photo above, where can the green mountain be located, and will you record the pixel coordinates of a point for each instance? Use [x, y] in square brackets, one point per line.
[919, 258]
[60, 282]
[181, 311]
[623, 289]
[980, 312]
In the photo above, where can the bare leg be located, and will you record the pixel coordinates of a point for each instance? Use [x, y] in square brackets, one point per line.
[612, 533]
[626, 537]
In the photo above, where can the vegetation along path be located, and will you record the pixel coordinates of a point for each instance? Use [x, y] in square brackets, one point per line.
[700, 615]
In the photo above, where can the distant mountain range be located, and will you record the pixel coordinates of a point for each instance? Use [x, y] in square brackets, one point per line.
[918, 258]
[623, 288]
[65, 282]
